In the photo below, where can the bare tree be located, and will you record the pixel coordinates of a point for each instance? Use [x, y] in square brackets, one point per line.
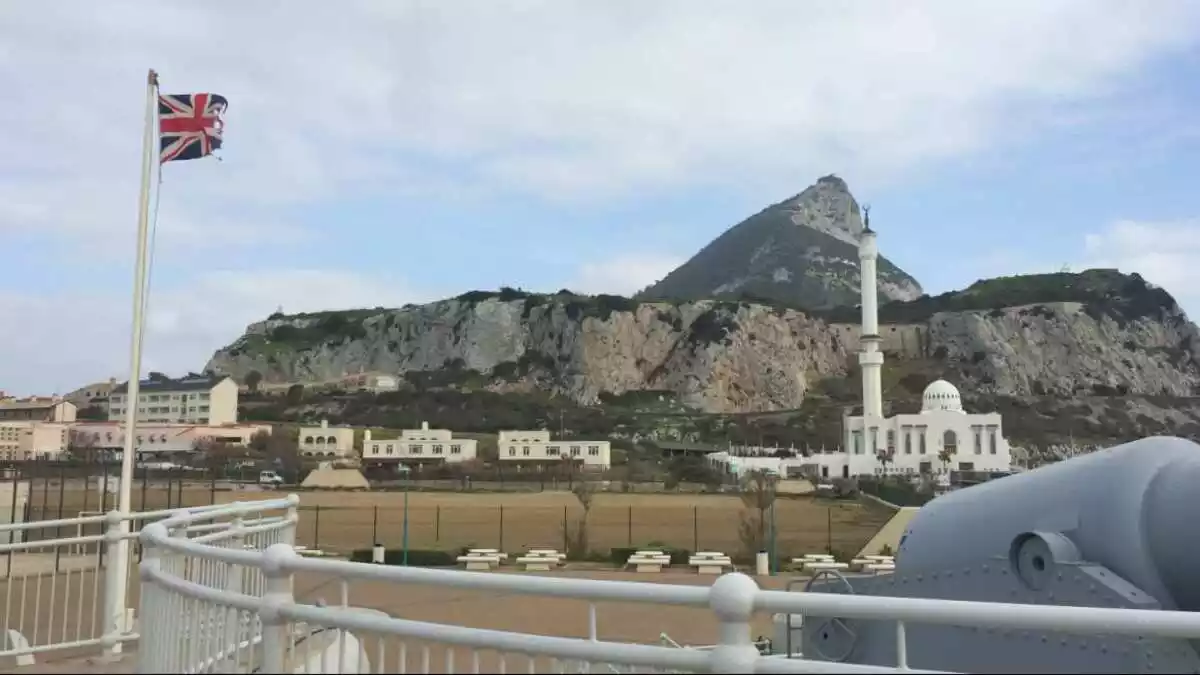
[252, 380]
[577, 536]
[260, 441]
[81, 446]
[281, 448]
[758, 496]
[885, 457]
[945, 455]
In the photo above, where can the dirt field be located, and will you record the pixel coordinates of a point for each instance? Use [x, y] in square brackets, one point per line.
[344, 521]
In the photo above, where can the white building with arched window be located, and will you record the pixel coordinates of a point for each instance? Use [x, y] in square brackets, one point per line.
[325, 441]
[942, 437]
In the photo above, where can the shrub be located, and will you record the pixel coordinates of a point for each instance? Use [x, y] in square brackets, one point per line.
[417, 557]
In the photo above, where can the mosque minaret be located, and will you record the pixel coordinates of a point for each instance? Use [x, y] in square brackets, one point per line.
[940, 438]
[870, 357]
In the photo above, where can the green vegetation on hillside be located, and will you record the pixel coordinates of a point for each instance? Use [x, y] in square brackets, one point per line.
[1123, 297]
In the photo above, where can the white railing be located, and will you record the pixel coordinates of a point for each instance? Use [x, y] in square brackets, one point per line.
[55, 575]
[210, 605]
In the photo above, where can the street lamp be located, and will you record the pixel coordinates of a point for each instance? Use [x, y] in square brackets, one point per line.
[404, 529]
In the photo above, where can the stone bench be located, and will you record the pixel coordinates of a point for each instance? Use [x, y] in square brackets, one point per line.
[710, 562]
[552, 552]
[541, 560]
[488, 551]
[824, 566]
[866, 561]
[648, 561]
[480, 562]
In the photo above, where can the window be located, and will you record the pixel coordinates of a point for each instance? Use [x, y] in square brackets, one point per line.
[594, 450]
[992, 441]
[437, 449]
[414, 449]
[552, 450]
[574, 450]
[950, 441]
[978, 441]
[891, 440]
[908, 441]
[512, 450]
[874, 444]
[856, 436]
[309, 440]
[525, 451]
[921, 441]
[456, 449]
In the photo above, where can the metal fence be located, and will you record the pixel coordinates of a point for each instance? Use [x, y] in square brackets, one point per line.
[797, 526]
[54, 491]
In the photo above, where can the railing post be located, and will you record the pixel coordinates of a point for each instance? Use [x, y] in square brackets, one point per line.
[233, 584]
[731, 598]
[114, 596]
[151, 647]
[277, 595]
[293, 516]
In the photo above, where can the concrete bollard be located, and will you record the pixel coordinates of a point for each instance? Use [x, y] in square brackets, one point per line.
[762, 564]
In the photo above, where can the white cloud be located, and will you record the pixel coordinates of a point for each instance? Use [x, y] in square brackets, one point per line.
[624, 274]
[1166, 254]
[559, 97]
[66, 339]
[563, 99]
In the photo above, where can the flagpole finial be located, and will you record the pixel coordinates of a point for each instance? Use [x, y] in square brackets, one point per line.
[152, 78]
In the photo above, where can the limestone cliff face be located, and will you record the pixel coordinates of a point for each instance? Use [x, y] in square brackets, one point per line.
[1067, 349]
[719, 356]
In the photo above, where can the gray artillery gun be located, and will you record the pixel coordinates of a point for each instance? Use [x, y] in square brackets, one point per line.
[1119, 528]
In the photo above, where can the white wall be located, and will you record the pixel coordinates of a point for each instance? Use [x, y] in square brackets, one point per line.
[865, 438]
[450, 450]
[163, 437]
[593, 454]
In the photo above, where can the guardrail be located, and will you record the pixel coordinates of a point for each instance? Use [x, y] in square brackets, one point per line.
[57, 582]
[210, 605]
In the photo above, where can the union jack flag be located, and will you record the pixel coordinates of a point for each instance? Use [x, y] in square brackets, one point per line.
[189, 125]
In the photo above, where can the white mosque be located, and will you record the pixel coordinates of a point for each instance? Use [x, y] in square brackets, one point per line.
[940, 438]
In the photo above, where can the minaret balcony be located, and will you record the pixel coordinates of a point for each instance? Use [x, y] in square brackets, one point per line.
[870, 358]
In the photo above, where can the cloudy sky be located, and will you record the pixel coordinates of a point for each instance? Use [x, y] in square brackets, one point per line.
[380, 152]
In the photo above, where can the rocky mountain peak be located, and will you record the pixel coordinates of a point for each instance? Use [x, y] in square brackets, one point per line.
[801, 251]
[828, 207]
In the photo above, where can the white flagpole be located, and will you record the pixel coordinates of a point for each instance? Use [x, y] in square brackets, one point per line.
[116, 578]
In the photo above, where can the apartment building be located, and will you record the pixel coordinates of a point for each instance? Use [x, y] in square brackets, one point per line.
[326, 441]
[96, 391]
[161, 437]
[197, 400]
[23, 441]
[536, 447]
[418, 446]
[37, 409]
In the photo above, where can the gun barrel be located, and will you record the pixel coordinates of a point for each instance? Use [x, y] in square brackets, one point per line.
[1132, 508]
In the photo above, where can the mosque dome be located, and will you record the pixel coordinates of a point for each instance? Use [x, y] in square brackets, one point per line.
[941, 395]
